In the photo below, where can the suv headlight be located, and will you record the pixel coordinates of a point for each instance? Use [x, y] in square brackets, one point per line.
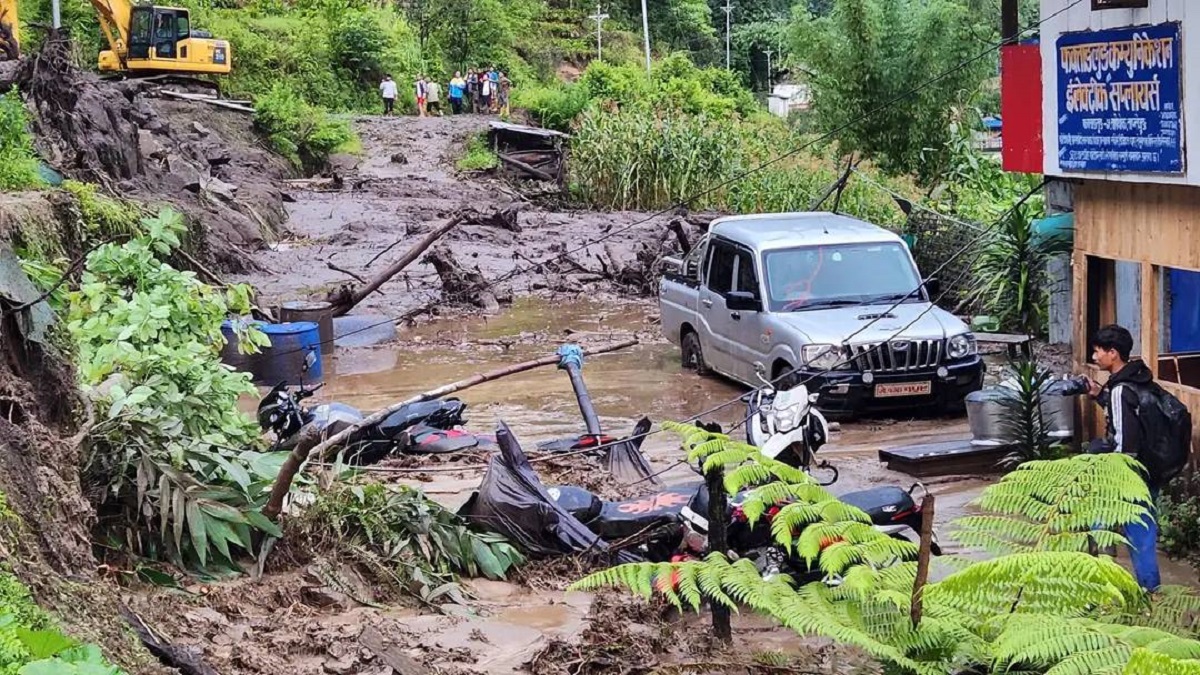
[961, 346]
[824, 357]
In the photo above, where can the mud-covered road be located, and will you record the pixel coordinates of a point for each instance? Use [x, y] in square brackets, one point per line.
[404, 184]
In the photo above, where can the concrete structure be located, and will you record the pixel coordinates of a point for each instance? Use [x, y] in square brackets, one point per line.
[785, 99]
[1114, 115]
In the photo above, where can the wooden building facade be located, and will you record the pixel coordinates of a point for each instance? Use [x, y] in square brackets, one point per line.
[1106, 97]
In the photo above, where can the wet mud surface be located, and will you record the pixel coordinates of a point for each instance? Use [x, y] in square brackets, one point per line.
[292, 621]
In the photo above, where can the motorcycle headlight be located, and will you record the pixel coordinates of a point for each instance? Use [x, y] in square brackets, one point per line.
[824, 357]
[961, 346]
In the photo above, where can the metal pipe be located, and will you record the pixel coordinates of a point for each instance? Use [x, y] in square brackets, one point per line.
[570, 359]
[646, 33]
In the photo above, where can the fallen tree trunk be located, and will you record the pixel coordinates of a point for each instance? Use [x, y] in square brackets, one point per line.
[344, 299]
[460, 284]
[307, 447]
[536, 173]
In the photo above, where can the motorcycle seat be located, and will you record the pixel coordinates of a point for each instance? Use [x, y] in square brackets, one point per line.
[413, 413]
[882, 504]
[618, 520]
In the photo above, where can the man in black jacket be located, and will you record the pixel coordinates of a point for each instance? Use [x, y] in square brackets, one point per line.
[1119, 397]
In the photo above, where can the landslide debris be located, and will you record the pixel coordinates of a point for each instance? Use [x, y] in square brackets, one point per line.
[203, 160]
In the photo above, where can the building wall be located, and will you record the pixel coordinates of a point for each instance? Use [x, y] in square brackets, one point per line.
[1142, 228]
[1080, 17]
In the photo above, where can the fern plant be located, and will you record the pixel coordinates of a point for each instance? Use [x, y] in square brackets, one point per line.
[1043, 606]
[1060, 505]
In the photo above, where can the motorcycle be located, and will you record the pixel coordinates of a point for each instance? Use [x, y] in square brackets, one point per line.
[426, 427]
[785, 426]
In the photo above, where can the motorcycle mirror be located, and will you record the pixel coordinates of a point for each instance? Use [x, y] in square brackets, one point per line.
[812, 398]
[760, 371]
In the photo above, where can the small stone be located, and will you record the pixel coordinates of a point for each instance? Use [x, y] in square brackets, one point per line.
[399, 158]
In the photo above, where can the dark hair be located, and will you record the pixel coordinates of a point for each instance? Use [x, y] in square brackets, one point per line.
[1115, 337]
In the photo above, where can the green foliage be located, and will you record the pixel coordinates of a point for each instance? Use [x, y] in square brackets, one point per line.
[1023, 418]
[868, 53]
[103, 216]
[478, 156]
[1043, 607]
[18, 164]
[1179, 517]
[301, 132]
[171, 450]
[1011, 281]
[30, 645]
[638, 158]
[1060, 505]
[358, 46]
[413, 541]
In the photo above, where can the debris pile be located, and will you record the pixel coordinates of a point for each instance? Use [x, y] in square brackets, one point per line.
[204, 161]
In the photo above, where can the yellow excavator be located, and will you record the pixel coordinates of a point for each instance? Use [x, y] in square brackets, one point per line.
[142, 39]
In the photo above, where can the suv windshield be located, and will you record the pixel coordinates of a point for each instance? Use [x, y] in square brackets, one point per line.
[814, 277]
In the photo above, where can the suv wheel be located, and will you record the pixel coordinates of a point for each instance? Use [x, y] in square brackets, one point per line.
[693, 353]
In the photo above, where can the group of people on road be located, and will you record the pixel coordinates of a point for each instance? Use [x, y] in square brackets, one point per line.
[481, 92]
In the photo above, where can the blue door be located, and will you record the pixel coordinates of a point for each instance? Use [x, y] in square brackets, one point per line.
[1185, 311]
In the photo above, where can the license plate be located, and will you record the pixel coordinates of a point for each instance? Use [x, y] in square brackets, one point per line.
[903, 389]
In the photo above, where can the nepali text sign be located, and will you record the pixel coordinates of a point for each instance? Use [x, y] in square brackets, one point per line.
[1119, 100]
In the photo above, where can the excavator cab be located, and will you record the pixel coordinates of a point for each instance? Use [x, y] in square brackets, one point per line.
[161, 40]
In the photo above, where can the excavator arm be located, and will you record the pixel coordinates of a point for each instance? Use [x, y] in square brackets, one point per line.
[114, 22]
[9, 30]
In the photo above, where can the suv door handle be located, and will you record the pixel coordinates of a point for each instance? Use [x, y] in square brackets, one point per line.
[707, 302]
[736, 316]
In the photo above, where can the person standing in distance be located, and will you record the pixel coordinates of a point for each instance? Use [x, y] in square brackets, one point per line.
[387, 89]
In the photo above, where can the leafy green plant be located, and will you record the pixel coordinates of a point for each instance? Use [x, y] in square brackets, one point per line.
[301, 132]
[170, 451]
[1010, 274]
[18, 163]
[31, 645]
[1044, 606]
[1179, 517]
[1023, 417]
[478, 156]
[410, 540]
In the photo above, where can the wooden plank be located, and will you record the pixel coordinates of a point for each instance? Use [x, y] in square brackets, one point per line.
[204, 99]
[1139, 222]
[390, 653]
[946, 458]
[1003, 338]
[1150, 325]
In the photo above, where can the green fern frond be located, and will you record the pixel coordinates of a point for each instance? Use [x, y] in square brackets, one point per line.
[1082, 646]
[1146, 662]
[711, 578]
[1055, 505]
[878, 552]
[689, 587]
[757, 501]
[1065, 584]
[728, 457]
[1174, 609]
[746, 475]
[635, 577]
[690, 435]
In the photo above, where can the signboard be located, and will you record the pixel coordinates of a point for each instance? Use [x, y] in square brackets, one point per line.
[1118, 4]
[1119, 100]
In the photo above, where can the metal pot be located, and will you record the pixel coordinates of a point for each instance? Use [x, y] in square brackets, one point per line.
[985, 414]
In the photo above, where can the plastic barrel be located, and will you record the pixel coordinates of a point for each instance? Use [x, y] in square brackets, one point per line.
[284, 359]
[321, 312]
[229, 353]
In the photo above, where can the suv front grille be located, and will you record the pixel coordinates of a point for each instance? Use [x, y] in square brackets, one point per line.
[897, 356]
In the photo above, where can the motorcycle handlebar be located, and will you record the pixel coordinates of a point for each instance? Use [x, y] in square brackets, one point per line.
[305, 393]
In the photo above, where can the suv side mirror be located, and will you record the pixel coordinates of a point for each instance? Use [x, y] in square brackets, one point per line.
[933, 286]
[742, 301]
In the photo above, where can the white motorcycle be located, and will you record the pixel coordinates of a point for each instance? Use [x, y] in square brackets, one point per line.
[786, 426]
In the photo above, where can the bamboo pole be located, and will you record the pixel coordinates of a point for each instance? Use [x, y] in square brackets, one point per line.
[308, 448]
[925, 551]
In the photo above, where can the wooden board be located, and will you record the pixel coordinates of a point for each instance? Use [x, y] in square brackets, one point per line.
[944, 459]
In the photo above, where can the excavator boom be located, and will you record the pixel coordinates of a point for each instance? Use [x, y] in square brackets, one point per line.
[9, 30]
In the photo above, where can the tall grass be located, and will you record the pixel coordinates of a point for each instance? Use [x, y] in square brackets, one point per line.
[18, 163]
[638, 158]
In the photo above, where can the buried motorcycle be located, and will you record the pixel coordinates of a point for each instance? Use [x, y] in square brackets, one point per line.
[670, 524]
[432, 427]
[785, 425]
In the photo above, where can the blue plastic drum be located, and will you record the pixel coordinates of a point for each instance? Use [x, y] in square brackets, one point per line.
[284, 359]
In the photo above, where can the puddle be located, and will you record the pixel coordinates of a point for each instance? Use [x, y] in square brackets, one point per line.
[542, 617]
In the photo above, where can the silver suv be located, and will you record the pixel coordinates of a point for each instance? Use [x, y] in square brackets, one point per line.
[821, 298]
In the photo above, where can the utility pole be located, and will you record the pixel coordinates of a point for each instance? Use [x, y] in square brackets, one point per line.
[56, 14]
[1010, 22]
[599, 18]
[728, 19]
[646, 33]
[769, 51]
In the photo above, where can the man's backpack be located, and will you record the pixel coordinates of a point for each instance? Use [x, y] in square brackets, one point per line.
[1166, 433]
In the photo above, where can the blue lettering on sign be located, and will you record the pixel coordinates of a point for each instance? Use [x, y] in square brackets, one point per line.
[1119, 100]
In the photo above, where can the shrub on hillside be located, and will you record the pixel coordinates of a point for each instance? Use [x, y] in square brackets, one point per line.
[301, 132]
[18, 164]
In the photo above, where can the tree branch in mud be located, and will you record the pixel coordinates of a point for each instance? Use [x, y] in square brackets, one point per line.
[459, 283]
[307, 448]
[344, 299]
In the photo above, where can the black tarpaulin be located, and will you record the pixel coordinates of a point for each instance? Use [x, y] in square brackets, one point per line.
[626, 462]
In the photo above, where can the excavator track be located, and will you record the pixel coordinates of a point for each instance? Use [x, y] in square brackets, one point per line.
[167, 79]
